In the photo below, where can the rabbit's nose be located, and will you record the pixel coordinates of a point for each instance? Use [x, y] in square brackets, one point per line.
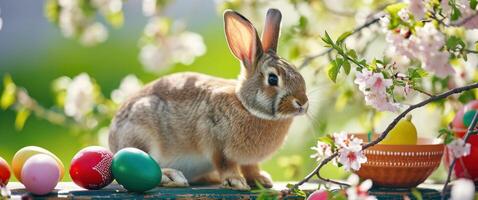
[301, 106]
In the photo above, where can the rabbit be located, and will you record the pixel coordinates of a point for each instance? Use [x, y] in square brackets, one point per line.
[203, 128]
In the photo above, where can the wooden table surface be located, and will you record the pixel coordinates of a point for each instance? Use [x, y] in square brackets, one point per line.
[68, 190]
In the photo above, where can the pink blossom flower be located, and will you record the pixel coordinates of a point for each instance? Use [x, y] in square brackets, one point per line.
[351, 155]
[417, 8]
[341, 139]
[374, 86]
[428, 38]
[359, 191]
[438, 64]
[322, 150]
[458, 148]
[400, 43]
[425, 46]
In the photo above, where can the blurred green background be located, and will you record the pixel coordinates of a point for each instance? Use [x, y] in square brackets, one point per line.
[34, 52]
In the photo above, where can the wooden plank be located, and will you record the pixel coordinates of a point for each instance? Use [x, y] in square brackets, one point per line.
[68, 190]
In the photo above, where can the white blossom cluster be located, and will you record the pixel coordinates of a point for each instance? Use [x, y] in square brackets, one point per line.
[169, 45]
[82, 95]
[76, 21]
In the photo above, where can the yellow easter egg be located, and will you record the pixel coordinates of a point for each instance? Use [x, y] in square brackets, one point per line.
[26, 152]
[404, 133]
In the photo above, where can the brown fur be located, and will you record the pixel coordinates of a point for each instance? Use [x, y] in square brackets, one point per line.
[199, 124]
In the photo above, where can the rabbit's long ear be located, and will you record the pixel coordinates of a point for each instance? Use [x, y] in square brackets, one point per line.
[270, 36]
[242, 39]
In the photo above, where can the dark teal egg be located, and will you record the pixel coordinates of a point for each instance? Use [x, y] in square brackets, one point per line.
[136, 170]
[468, 117]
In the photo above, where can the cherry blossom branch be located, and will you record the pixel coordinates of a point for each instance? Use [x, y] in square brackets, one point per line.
[316, 171]
[310, 58]
[469, 132]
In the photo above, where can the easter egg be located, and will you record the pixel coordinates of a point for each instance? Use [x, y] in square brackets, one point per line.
[4, 172]
[23, 154]
[402, 134]
[468, 117]
[91, 167]
[318, 195]
[40, 174]
[136, 170]
[458, 122]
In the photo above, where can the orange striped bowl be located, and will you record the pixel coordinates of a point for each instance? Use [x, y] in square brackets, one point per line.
[401, 165]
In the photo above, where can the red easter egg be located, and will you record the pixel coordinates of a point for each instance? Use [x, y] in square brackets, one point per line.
[91, 167]
[4, 172]
[466, 166]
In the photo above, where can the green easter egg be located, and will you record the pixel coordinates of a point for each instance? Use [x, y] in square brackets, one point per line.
[468, 117]
[136, 170]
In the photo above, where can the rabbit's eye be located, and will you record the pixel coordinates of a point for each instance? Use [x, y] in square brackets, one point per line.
[273, 80]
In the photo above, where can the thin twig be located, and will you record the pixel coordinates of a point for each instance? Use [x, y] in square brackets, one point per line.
[309, 59]
[422, 91]
[464, 21]
[316, 171]
[471, 51]
[471, 129]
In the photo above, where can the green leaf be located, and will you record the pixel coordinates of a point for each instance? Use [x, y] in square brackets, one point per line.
[9, 92]
[289, 185]
[327, 39]
[265, 194]
[303, 22]
[87, 7]
[327, 140]
[447, 135]
[417, 194]
[393, 12]
[473, 4]
[333, 70]
[22, 116]
[342, 37]
[299, 192]
[466, 96]
[455, 43]
[417, 73]
[455, 11]
[346, 67]
[352, 54]
[294, 52]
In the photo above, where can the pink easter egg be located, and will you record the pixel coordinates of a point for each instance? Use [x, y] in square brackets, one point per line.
[318, 195]
[40, 174]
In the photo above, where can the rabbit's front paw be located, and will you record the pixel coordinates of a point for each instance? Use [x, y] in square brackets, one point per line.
[173, 178]
[265, 181]
[235, 183]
